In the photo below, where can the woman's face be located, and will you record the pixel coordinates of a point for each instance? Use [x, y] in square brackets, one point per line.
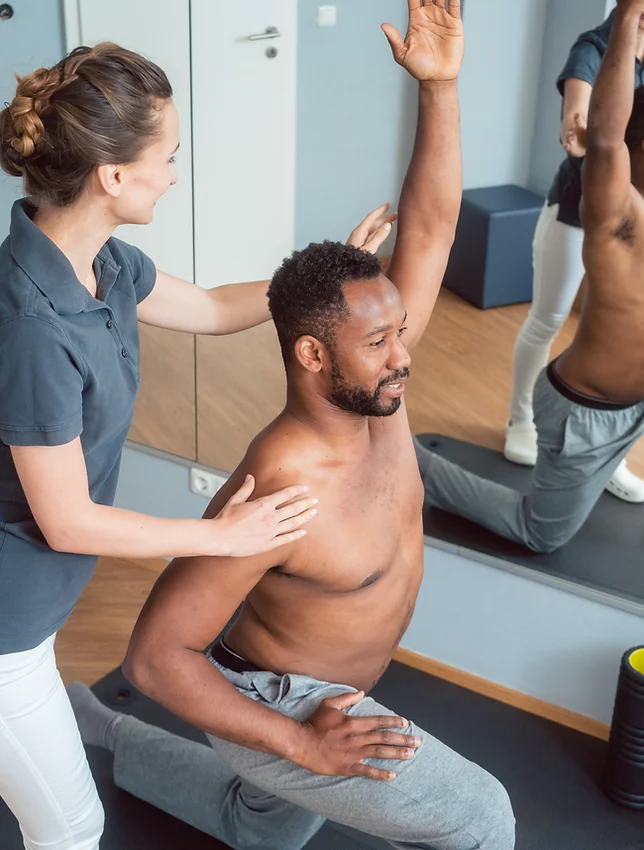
[144, 181]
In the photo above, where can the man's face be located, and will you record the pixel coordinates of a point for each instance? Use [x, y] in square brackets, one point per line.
[370, 361]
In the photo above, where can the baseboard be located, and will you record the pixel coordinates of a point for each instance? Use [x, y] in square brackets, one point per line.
[532, 705]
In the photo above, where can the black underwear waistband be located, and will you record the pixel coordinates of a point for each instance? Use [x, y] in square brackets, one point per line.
[226, 657]
[582, 399]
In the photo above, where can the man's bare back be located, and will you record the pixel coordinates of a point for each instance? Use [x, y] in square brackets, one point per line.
[338, 606]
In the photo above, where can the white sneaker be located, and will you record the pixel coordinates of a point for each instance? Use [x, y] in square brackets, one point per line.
[521, 444]
[626, 486]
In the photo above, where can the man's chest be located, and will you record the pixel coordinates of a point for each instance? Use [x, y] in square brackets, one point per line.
[369, 526]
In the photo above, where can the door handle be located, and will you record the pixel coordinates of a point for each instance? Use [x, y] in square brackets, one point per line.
[270, 32]
[6, 12]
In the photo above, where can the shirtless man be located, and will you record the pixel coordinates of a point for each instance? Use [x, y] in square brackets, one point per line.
[588, 404]
[288, 748]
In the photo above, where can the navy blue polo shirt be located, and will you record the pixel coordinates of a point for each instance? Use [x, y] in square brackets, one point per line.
[583, 64]
[69, 367]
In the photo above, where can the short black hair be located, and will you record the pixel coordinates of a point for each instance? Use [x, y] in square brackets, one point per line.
[635, 129]
[306, 294]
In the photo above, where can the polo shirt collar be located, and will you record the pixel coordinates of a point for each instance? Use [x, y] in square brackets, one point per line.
[46, 264]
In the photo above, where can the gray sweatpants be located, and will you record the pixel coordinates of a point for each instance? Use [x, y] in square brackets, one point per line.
[249, 799]
[580, 448]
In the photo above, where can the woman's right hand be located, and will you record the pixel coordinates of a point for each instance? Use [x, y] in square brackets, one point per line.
[574, 136]
[248, 528]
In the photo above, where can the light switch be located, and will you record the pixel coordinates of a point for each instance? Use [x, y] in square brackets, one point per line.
[327, 16]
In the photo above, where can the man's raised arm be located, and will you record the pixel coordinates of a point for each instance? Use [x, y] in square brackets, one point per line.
[607, 167]
[430, 201]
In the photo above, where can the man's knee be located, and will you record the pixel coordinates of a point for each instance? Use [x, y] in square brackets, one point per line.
[493, 823]
[543, 546]
[546, 539]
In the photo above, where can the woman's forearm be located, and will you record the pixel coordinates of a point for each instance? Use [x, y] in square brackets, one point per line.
[113, 532]
[240, 306]
[575, 105]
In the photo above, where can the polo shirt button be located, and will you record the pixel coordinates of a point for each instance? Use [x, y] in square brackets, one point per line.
[109, 323]
[124, 352]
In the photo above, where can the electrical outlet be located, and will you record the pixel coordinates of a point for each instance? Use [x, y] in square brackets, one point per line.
[204, 483]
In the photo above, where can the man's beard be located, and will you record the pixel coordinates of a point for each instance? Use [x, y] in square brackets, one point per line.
[355, 399]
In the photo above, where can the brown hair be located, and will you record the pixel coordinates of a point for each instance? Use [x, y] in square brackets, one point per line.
[98, 105]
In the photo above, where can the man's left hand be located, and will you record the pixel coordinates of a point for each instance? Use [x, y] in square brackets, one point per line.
[434, 46]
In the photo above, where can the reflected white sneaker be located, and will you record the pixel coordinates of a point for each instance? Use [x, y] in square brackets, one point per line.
[521, 444]
[625, 485]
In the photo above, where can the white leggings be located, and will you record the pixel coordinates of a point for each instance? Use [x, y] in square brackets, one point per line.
[558, 272]
[44, 775]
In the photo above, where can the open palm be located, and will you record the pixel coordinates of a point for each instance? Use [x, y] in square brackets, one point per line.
[434, 45]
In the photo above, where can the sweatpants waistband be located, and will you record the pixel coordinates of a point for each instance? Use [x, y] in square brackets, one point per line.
[582, 399]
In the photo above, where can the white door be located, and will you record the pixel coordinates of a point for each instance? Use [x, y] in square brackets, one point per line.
[243, 98]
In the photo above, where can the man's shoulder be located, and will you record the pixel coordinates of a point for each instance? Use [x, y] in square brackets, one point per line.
[279, 457]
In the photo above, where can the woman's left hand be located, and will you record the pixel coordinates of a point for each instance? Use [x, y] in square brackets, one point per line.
[372, 232]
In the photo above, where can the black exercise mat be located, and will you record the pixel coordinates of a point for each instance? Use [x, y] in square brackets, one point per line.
[552, 773]
[607, 554]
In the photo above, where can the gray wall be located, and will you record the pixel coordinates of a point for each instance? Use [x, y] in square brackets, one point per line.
[565, 21]
[521, 632]
[499, 86]
[356, 117]
[157, 486]
[357, 109]
[33, 38]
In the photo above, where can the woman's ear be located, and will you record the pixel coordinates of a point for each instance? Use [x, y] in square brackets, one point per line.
[110, 179]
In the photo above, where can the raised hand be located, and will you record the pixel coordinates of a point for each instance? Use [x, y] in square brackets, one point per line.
[433, 48]
[372, 232]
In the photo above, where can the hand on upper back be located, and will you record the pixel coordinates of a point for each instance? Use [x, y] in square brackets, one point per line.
[338, 744]
[434, 45]
[251, 528]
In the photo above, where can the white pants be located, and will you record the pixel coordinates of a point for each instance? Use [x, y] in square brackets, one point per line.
[44, 775]
[558, 272]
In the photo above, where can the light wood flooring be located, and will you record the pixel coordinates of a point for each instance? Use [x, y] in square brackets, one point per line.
[460, 387]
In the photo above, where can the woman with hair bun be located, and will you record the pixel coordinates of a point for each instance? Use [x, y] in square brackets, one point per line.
[93, 139]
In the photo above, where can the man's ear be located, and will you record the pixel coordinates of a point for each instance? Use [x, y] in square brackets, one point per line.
[311, 353]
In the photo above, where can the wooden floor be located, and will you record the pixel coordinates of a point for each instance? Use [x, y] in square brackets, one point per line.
[460, 387]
